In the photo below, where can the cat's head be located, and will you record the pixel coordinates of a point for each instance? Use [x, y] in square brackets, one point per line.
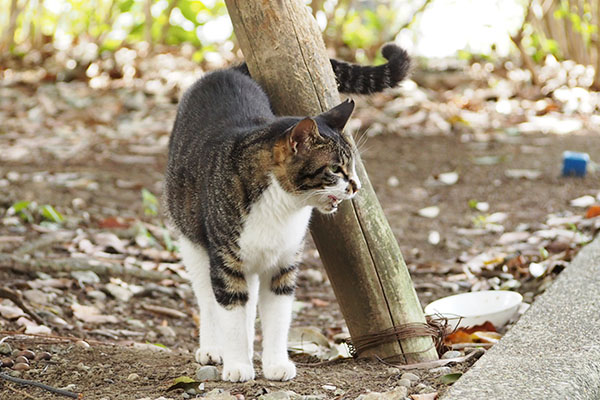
[316, 162]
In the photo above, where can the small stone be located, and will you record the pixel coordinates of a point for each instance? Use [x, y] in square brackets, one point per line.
[85, 277]
[83, 344]
[329, 387]
[27, 354]
[207, 373]
[133, 377]
[7, 362]
[279, 395]
[71, 387]
[393, 371]
[451, 354]
[166, 331]
[440, 371]
[410, 376]
[21, 367]
[15, 374]
[218, 394]
[313, 397]
[399, 392]
[5, 349]
[119, 292]
[44, 355]
[96, 295]
[22, 360]
[240, 396]
[404, 382]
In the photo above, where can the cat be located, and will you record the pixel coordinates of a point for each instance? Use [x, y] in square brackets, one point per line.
[240, 187]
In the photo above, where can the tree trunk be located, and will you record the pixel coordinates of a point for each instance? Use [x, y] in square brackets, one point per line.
[286, 55]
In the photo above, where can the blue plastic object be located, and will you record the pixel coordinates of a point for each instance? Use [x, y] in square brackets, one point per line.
[574, 163]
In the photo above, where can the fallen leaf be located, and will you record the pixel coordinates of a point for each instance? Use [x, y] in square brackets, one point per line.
[583, 201]
[593, 211]
[529, 174]
[424, 396]
[92, 315]
[184, 382]
[319, 303]
[429, 212]
[449, 379]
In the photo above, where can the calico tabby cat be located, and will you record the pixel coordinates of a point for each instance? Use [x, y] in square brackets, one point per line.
[241, 184]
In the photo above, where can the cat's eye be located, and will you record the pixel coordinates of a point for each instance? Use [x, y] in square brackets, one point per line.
[336, 169]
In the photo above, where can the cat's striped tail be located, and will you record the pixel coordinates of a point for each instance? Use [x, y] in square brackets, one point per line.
[353, 78]
[360, 79]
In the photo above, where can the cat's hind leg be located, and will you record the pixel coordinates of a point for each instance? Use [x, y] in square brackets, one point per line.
[196, 261]
[275, 300]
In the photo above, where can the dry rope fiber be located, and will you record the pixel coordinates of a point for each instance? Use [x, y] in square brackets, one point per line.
[435, 328]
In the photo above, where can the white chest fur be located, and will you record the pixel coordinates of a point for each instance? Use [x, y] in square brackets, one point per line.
[274, 230]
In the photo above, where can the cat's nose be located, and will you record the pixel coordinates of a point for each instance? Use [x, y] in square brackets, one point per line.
[353, 186]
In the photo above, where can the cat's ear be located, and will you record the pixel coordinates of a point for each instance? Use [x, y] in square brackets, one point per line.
[337, 117]
[303, 134]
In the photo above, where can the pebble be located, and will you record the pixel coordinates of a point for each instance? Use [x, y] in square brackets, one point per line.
[7, 362]
[166, 331]
[393, 371]
[410, 376]
[96, 295]
[27, 354]
[5, 349]
[44, 355]
[21, 360]
[15, 374]
[398, 393]
[280, 395]
[404, 382]
[219, 394]
[83, 344]
[329, 387]
[133, 377]
[21, 367]
[207, 373]
[440, 370]
[119, 292]
[313, 397]
[451, 354]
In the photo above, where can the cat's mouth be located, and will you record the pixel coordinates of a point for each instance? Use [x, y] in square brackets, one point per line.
[333, 202]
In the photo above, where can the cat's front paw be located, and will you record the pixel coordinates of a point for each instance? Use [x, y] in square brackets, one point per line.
[238, 372]
[280, 371]
[208, 355]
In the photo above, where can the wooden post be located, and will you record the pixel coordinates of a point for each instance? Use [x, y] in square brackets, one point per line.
[285, 53]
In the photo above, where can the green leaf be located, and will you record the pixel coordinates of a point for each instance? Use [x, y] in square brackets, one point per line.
[49, 213]
[473, 203]
[449, 379]
[150, 203]
[20, 206]
[184, 382]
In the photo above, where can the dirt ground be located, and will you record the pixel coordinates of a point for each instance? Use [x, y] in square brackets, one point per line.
[102, 370]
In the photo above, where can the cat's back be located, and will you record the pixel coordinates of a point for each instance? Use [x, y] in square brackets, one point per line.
[222, 98]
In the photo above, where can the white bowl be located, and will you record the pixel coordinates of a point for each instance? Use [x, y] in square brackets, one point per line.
[496, 306]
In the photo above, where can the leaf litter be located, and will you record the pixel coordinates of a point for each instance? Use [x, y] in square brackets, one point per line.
[102, 211]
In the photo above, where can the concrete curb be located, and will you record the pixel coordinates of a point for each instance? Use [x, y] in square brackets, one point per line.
[553, 351]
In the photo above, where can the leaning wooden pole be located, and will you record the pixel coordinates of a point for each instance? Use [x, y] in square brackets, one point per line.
[285, 53]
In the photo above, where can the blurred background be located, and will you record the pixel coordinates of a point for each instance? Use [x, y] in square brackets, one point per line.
[76, 34]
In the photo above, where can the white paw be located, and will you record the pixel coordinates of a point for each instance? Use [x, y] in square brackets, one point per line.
[208, 355]
[280, 371]
[238, 372]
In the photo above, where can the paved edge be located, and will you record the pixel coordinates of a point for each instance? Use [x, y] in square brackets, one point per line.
[553, 351]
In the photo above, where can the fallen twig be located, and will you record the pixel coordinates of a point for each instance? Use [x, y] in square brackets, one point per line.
[438, 363]
[164, 311]
[460, 346]
[42, 386]
[44, 240]
[15, 335]
[50, 265]
[21, 393]
[16, 298]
